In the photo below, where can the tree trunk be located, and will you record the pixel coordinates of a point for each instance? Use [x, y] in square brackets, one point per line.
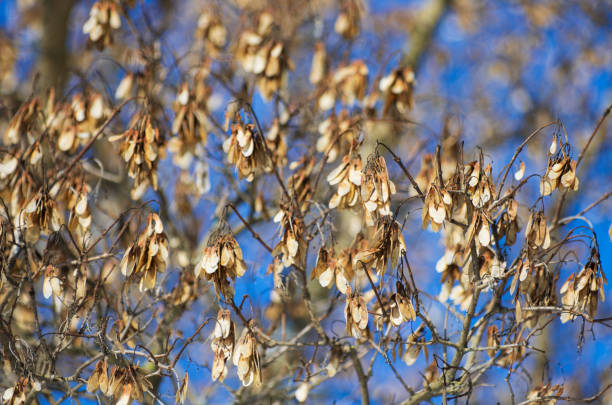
[54, 55]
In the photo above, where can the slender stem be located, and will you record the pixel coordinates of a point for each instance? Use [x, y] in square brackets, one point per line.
[406, 172]
[363, 379]
[601, 121]
[248, 226]
[516, 153]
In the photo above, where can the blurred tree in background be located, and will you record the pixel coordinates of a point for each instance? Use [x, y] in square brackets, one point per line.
[269, 202]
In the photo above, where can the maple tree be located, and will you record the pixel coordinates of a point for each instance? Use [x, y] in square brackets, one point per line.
[194, 225]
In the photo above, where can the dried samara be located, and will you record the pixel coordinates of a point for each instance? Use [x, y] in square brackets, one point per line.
[148, 255]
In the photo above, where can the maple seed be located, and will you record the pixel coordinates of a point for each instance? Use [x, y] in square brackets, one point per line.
[356, 315]
[246, 359]
[104, 17]
[222, 344]
[222, 261]
[148, 255]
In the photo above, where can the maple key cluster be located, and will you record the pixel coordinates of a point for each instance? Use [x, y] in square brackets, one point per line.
[104, 17]
[261, 54]
[222, 260]
[124, 384]
[162, 202]
[142, 147]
